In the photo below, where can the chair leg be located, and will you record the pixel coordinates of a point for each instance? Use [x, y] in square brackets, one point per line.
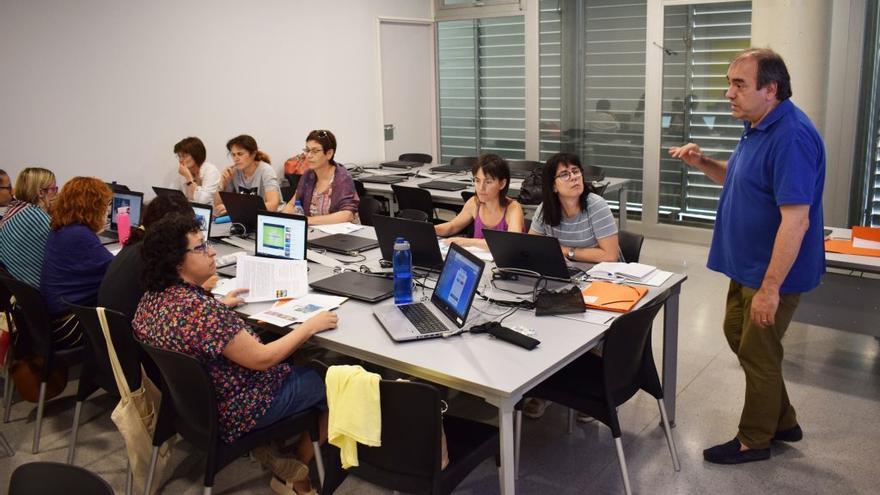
[129, 479]
[71, 451]
[41, 402]
[154, 458]
[319, 462]
[207, 490]
[623, 472]
[571, 415]
[517, 441]
[7, 391]
[669, 440]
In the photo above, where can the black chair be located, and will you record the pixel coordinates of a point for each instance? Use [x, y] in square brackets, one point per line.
[522, 167]
[34, 320]
[630, 245]
[360, 189]
[6, 308]
[463, 161]
[192, 412]
[97, 371]
[416, 157]
[368, 207]
[417, 215]
[287, 193]
[410, 456]
[414, 198]
[293, 180]
[597, 385]
[55, 477]
[466, 195]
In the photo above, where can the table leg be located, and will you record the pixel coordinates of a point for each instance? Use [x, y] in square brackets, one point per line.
[670, 352]
[621, 200]
[505, 421]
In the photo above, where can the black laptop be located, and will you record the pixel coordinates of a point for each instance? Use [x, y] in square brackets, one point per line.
[347, 244]
[383, 179]
[444, 185]
[166, 191]
[451, 168]
[422, 240]
[356, 285]
[401, 164]
[243, 208]
[529, 253]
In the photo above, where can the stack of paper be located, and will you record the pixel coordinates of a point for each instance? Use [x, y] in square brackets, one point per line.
[637, 273]
[339, 228]
[298, 310]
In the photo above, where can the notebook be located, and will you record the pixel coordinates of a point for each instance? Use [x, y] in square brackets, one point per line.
[609, 296]
[450, 302]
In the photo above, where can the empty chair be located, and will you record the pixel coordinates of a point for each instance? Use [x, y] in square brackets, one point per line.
[417, 215]
[293, 180]
[189, 407]
[464, 161]
[54, 477]
[630, 245]
[522, 168]
[414, 198]
[360, 189]
[597, 385]
[416, 157]
[368, 207]
[35, 321]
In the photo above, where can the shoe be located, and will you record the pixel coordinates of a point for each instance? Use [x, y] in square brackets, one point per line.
[288, 469]
[534, 408]
[584, 418]
[282, 487]
[793, 434]
[729, 453]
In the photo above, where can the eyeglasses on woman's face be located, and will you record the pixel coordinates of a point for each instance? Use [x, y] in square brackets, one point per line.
[570, 174]
[202, 248]
[50, 189]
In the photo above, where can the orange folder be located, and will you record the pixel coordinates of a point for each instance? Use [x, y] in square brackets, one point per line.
[845, 246]
[612, 297]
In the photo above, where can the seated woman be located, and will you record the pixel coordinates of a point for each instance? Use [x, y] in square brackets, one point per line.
[199, 180]
[253, 384]
[250, 173]
[572, 213]
[74, 261]
[25, 227]
[326, 190]
[489, 208]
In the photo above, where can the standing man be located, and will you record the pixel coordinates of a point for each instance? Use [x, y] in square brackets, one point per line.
[768, 240]
[5, 192]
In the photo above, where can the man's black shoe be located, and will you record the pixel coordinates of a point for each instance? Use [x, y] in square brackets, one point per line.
[729, 453]
[793, 434]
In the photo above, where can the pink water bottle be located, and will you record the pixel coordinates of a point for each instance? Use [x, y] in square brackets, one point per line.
[123, 224]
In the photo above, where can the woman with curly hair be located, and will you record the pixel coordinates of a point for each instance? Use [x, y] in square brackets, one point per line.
[74, 260]
[254, 385]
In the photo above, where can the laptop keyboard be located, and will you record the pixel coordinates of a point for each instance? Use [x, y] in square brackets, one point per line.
[423, 319]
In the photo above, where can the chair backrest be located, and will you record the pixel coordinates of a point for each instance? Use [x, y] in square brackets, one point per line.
[368, 207]
[463, 161]
[55, 477]
[593, 173]
[416, 157]
[524, 165]
[192, 393]
[33, 309]
[413, 198]
[293, 180]
[287, 193]
[630, 245]
[123, 342]
[466, 195]
[360, 189]
[624, 352]
[417, 215]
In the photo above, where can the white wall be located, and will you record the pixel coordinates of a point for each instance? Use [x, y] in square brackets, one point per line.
[105, 88]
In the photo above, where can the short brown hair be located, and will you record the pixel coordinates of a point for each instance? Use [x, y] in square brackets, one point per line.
[30, 181]
[82, 200]
[771, 68]
[193, 147]
[326, 139]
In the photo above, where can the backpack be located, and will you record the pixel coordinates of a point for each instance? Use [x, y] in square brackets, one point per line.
[530, 191]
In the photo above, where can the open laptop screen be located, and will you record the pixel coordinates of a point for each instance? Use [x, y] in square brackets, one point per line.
[133, 200]
[281, 236]
[457, 284]
[203, 215]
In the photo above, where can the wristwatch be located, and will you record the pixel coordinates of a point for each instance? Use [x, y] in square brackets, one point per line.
[571, 253]
[189, 183]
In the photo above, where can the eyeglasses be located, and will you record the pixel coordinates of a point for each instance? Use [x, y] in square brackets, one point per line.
[202, 248]
[312, 151]
[572, 173]
[50, 189]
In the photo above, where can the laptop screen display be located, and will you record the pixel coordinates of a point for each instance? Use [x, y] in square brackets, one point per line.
[133, 201]
[203, 215]
[281, 236]
[457, 284]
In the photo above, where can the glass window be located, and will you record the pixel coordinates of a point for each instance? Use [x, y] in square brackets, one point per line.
[866, 176]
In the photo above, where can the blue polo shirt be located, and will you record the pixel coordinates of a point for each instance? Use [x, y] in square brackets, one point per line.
[781, 161]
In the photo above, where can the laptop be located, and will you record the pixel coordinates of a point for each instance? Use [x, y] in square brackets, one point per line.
[117, 187]
[204, 215]
[530, 253]
[134, 201]
[421, 236]
[443, 185]
[280, 235]
[243, 208]
[450, 168]
[356, 285]
[450, 302]
[382, 179]
[165, 191]
[401, 164]
[347, 244]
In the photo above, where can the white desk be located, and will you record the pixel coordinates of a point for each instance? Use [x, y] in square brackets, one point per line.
[615, 184]
[497, 371]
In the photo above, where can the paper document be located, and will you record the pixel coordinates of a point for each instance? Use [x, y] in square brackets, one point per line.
[615, 271]
[481, 253]
[267, 279]
[298, 310]
[339, 228]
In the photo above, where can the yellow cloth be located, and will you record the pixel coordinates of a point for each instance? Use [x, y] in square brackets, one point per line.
[355, 412]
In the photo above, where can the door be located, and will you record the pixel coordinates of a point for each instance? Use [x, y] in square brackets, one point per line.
[408, 87]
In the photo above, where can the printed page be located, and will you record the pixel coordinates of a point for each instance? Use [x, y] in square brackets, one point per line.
[298, 310]
[268, 279]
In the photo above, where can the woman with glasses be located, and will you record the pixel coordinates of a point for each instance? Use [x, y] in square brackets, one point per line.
[74, 261]
[197, 179]
[572, 213]
[254, 385]
[250, 173]
[25, 226]
[326, 191]
[489, 208]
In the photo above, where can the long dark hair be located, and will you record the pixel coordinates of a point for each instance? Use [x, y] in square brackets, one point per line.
[164, 248]
[497, 168]
[551, 208]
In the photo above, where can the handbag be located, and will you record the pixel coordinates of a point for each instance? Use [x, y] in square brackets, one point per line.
[25, 373]
[530, 193]
[135, 417]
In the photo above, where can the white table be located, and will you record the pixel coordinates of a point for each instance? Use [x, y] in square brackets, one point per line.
[497, 371]
[424, 174]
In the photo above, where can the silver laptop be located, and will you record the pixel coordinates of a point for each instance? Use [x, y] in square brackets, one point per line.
[450, 302]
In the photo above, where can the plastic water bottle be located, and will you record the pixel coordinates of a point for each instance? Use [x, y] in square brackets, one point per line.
[402, 261]
[298, 208]
[123, 224]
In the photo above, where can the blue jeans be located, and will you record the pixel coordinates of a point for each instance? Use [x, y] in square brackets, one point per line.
[302, 389]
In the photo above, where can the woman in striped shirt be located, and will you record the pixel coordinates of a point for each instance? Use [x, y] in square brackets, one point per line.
[25, 227]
